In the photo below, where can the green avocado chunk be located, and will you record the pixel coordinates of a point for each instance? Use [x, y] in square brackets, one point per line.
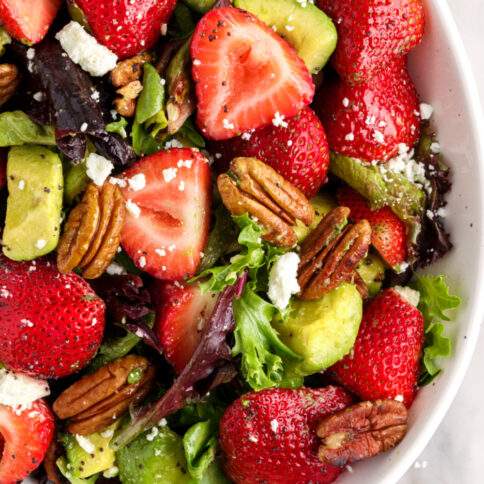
[405, 198]
[372, 270]
[322, 331]
[34, 205]
[155, 457]
[307, 28]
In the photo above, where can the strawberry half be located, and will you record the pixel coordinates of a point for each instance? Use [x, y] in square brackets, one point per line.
[181, 312]
[388, 232]
[168, 217]
[372, 32]
[24, 439]
[127, 27]
[298, 151]
[370, 120]
[385, 361]
[51, 323]
[28, 20]
[246, 75]
[270, 436]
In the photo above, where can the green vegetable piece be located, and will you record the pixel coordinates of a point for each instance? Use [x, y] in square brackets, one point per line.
[134, 376]
[34, 205]
[17, 129]
[184, 20]
[322, 204]
[214, 475]
[65, 469]
[77, 14]
[188, 134]
[75, 181]
[5, 39]
[155, 457]
[200, 6]
[263, 353]
[83, 464]
[313, 35]
[322, 331]
[118, 127]
[200, 445]
[372, 270]
[405, 198]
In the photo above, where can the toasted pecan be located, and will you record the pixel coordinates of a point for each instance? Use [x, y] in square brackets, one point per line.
[9, 81]
[129, 70]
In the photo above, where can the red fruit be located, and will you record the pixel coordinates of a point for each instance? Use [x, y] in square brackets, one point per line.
[180, 316]
[385, 361]
[388, 232]
[370, 120]
[299, 152]
[372, 32]
[24, 438]
[127, 27]
[28, 20]
[51, 324]
[269, 436]
[168, 235]
[246, 75]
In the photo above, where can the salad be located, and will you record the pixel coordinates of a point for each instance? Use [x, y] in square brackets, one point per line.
[213, 218]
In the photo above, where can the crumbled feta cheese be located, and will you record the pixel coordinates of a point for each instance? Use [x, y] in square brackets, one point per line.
[111, 472]
[95, 95]
[38, 96]
[283, 280]
[21, 184]
[426, 111]
[227, 124]
[98, 168]
[253, 438]
[115, 269]
[142, 261]
[118, 181]
[133, 208]
[346, 102]
[85, 50]
[40, 244]
[435, 148]
[30, 53]
[289, 142]
[246, 136]
[163, 422]
[160, 252]
[274, 425]
[278, 120]
[85, 444]
[108, 433]
[197, 62]
[20, 391]
[184, 163]
[152, 434]
[169, 174]
[173, 143]
[408, 294]
[84, 127]
[399, 398]
[137, 182]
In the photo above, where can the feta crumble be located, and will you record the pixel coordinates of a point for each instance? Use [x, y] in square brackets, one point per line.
[85, 444]
[38, 96]
[137, 182]
[169, 174]
[426, 111]
[346, 102]
[85, 50]
[278, 120]
[98, 168]
[132, 208]
[227, 124]
[115, 269]
[40, 244]
[399, 398]
[283, 280]
[152, 434]
[408, 294]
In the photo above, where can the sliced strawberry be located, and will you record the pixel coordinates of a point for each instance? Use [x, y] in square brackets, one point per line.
[24, 439]
[299, 152]
[28, 20]
[246, 75]
[168, 215]
[180, 316]
[388, 234]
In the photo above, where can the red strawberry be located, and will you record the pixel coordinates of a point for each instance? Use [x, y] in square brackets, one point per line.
[24, 438]
[168, 216]
[388, 232]
[51, 324]
[246, 75]
[127, 27]
[372, 32]
[28, 20]
[299, 152]
[269, 436]
[181, 313]
[385, 360]
[370, 120]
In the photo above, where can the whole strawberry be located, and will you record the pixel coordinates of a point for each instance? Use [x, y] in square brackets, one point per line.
[369, 121]
[298, 150]
[385, 360]
[372, 32]
[127, 27]
[270, 436]
[51, 324]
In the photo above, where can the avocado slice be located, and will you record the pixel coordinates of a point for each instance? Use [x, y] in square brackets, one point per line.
[322, 331]
[65, 470]
[372, 270]
[34, 204]
[307, 28]
[405, 198]
[155, 457]
[322, 204]
[82, 464]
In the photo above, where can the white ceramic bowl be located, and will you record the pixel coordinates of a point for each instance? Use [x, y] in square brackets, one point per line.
[442, 73]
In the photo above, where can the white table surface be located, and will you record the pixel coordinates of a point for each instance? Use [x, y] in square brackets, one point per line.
[455, 455]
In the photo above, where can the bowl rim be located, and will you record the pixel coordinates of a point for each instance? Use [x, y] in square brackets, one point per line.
[476, 298]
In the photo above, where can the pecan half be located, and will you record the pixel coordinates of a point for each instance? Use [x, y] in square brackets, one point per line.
[92, 232]
[95, 401]
[361, 431]
[331, 253]
[9, 81]
[255, 188]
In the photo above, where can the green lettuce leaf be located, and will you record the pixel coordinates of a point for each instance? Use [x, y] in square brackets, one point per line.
[118, 127]
[200, 445]
[5, 39]
[17, 129]
[435, 302]
[263, 353]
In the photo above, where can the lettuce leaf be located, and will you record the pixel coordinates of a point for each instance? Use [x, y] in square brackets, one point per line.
[5, 39]
[118, 127]
[200, 446]
[16, 128]
[435, 302]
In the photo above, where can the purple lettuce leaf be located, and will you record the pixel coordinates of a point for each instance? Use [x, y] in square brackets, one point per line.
[211, 356]
[144, 332]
